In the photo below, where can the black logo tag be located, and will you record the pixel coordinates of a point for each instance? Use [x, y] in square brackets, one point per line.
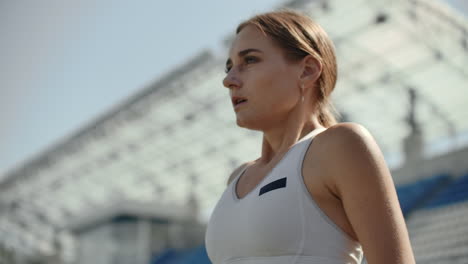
[280, 183]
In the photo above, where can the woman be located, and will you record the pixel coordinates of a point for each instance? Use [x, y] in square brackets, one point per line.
[321, 191]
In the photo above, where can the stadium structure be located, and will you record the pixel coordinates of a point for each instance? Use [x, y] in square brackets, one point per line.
[138, 184]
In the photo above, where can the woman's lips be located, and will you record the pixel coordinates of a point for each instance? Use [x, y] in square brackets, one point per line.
[239, 104]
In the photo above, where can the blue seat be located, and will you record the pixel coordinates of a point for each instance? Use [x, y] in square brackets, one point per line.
[169, 256]
[456, 192]
[195, 255]
[414, 195]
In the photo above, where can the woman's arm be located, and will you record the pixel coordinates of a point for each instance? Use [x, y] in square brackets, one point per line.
[360, 177]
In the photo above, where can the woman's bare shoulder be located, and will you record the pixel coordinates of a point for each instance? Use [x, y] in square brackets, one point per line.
[345, 131]
[360, 177]
[347, 146]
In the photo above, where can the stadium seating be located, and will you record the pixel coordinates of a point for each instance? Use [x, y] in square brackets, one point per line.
[439, 228]
[455, 193]
[195, 255]
[414, 195]
[440, 234]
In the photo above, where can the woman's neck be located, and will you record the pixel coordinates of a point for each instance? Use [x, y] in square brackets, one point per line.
[278, 141]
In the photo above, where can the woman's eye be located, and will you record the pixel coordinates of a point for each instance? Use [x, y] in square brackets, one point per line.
[249, 59]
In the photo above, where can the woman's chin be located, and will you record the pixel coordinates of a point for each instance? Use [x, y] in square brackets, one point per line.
[248, 124]
[241, 122]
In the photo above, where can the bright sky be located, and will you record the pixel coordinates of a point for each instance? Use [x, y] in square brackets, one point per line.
[63, 63]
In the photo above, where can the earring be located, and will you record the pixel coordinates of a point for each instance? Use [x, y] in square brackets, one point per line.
[302, 92]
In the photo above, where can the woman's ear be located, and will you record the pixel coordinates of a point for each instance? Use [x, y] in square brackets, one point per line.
[312, 69]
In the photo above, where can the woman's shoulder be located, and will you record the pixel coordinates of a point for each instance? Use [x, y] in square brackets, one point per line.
[346, 130]
[348, 145]
[344, 135]
[357, 174]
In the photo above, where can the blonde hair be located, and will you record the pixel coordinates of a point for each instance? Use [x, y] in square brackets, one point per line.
[298, 35]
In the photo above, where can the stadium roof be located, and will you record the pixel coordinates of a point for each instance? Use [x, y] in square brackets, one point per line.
[177, 139]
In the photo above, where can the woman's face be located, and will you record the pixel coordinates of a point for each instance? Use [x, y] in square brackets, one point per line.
[257, 70]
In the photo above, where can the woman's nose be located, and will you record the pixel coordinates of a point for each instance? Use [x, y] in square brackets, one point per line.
[231, 80]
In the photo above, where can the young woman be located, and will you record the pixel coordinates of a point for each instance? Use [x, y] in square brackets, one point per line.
[321, 191]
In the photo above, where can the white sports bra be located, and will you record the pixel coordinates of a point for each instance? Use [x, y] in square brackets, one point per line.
[278, 222]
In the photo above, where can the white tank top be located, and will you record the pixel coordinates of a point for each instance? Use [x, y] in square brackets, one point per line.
[278, 222]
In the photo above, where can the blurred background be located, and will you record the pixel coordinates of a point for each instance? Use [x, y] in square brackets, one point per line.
[117, 136]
